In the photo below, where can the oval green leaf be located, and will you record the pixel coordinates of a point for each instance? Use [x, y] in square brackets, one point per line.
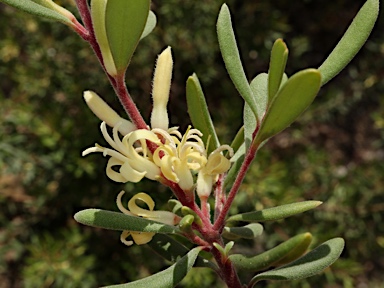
[199, 113]
[291, 100]
[37, 10]
[119, 221]
[311, 264]
[259, 86]
[249, 231]
[279, 56]
[231, 57]
[351, 42]
[268, 258]
[124, 23]
[275, 213]
[168, 278]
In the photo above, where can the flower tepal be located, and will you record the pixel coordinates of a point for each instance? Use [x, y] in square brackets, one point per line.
[140, 238]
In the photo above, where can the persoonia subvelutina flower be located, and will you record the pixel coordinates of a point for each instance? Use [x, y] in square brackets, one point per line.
[172, 156]
[140, 238]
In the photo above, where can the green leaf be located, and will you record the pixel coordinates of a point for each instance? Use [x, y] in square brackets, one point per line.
[231, 57]
[172, 250]
[199, 114]
[170, 277]
[124, 23]
[249, 231]
[268, 258]
[311, 264]
[297, 251]
[150, 25]
[236, 161]
[276, 213]
[351, 42]
[119, 221]
[238, 140]
[38, 10]
[259, 86]
[279, 56]
[291, 100]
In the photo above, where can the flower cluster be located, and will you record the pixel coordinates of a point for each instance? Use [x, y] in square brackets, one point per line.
[159, 153]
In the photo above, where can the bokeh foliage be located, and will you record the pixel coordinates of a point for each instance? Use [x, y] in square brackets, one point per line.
[334, 153]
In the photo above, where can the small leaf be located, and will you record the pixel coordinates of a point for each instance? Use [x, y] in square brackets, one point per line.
[276, 213]
[279, 56]
[238, 140]
[38, 10]
[311, 264]
[124, 23]
[291, 100]
[172, 250]
[170, 277]
[119, 221]
[249, 231]
[236, 160]
[150, 25]
[259, 86]
[268, 258]
[199, 114]
[231, 57]
[351, 42]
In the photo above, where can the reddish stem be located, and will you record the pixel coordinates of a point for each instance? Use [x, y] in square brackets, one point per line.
[220, 221]
[227, 270]
[128, 104]
[219, 196]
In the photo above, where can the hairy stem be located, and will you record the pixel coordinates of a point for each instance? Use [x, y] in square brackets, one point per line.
[128, 104]
[227, 270]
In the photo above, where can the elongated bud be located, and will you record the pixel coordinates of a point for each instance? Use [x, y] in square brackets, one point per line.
[106, 113]
[98, 12]
[161, 87]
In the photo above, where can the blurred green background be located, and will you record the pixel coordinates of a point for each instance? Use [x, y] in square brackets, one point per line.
[333, 153]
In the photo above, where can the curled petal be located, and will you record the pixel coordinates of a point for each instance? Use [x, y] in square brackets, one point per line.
[135, 209]
[123, 238]
[120, 204]
[139, 162]
[167, 164]
[141, 238]
[217, 164]
[130, 174]
[112, 174]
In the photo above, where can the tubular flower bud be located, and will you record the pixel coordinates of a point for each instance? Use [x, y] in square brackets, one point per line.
[161, 87]
[140, 238]
[105, 113]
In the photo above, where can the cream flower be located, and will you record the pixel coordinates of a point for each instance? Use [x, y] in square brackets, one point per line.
[140, 238]
[175, 157]
[180, 155]
[135, 161]
[217, 164]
